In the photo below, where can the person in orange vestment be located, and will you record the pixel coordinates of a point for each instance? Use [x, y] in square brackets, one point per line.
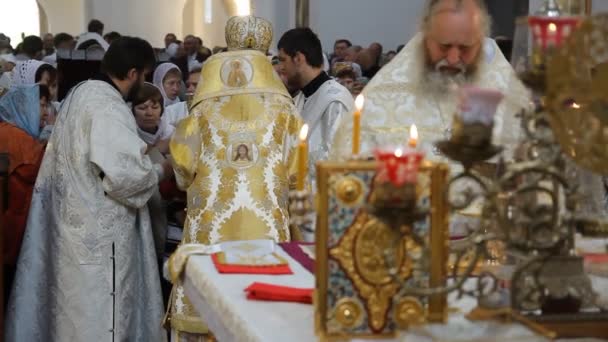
[23, 112]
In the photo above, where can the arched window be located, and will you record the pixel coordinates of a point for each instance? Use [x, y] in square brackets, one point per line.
[19, 18]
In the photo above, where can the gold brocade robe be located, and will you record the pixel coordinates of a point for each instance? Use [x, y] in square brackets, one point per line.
[234, 155]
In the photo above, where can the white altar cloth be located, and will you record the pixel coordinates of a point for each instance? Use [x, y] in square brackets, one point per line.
[221, 300]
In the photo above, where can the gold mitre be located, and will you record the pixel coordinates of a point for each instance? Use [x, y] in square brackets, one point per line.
[248, 33]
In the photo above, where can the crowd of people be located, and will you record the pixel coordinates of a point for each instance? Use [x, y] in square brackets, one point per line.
[208, 144]
[30, 106]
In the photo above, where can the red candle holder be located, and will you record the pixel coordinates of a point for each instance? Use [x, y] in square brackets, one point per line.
[551, 31]
[398, 166]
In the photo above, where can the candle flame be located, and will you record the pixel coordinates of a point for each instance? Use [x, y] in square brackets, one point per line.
[398, 153]
[414, 132]
[304, 132]
[576, 105]
[552, 27]
[359, 101]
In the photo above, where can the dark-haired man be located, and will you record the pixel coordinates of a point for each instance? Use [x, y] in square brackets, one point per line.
[322, 102]
[31, 48]
[340, 47]
[87, 269]
[48, 44]
[62, 41]
[193, 46]
[111, 36]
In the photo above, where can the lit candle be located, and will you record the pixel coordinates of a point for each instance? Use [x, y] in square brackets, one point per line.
[302, 158]
[357, 124]
[413, 142]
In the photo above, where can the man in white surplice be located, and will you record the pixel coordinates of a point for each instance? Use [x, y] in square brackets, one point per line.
[87, 269]
[322, 102]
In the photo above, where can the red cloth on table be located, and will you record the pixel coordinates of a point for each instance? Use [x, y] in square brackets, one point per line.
[596, 257]
[270, 292]
[250, 269]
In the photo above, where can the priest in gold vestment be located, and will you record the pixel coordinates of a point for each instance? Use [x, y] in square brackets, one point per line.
[234, 154]
[419, 86]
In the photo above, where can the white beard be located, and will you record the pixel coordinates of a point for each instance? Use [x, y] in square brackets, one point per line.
[441, 83]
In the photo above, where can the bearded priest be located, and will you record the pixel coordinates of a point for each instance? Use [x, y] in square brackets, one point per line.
[420, 84]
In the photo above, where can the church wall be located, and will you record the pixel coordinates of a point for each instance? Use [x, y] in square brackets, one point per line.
[149, 19]
[390, 22]
[213, 33]
[600, 6]
[279, 13]
[64, 15]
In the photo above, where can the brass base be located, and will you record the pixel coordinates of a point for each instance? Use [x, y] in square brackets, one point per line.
[579, 325]
[467, 155]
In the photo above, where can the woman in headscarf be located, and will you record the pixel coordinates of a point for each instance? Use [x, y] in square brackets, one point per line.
[32, 72]
[168, 78]
[23, 111]
[148, 108]
[36, 72]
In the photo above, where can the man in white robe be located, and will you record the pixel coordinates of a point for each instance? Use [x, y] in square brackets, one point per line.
[94, 33]
[322, 102]
[419, 86]
[87, 269]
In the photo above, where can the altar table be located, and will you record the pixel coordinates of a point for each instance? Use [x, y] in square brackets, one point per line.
[231, 317]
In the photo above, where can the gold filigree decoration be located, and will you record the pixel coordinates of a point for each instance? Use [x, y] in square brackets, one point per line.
[577, 79]
[359, 253]
[348, 312]
[248, 32]
[349, 191]
[409, 311]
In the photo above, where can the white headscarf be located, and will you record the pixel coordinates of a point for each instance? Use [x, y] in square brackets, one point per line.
[159, 76]
[24, 73]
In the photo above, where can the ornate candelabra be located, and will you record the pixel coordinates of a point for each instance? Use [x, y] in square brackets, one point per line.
[530, 208]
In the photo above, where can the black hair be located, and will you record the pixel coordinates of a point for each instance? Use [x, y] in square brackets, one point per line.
[95, 26]
[305, 41]
[128, 53]
[31, 46]
[46, 68]
[44, 92]
[62, 37]
[111, 36]
[343, 41]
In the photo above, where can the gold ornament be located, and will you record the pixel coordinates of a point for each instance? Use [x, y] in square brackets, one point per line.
[363, 263]
[409, 311]
[248, 33]
[577, 99]
[348, 313]
[349, 191]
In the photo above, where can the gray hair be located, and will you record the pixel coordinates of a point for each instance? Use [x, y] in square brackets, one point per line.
[430, 10]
